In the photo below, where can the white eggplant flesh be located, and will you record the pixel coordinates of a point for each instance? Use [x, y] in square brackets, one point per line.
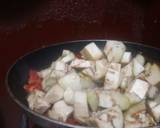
[100, 69]
[72, 80]
[81, 110]
[137, 68]
[127, 70]
[126, 58]
[32, 97]
[147, 68]
[114, 50]
[112, 79]
[69, 96]
[91, 52]
[67, 56]
[138, 117]
[121, 100]
[105, 100]
[156, 112]
[93, 100]
[86, 82]
[140, 58]
[109, 118]
[140, 88]
[80, 63]
[48, 83]
[153, 92]
[133, 98]
[61, 111]
[154, 76]
[54, 94]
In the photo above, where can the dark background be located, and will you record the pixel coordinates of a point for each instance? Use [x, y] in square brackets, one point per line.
[29, 24]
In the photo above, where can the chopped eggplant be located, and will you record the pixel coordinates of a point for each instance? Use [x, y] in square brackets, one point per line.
[121, 100]
[140, 88]
[114, 50]
[91, 52]
[81, 111]
[48, 83]
[67, 56]
[137, 116]
[93, 100]
[60, 111]
[137, 68]
[69, 96]
[72, 80]
[126, 58]
[133, 98]
[140, 58]
[45, 72]
[105, 99]
[153, 92]
[80, 63]
[54, 94]
[37, 102]
[109, 118]
[154, 76]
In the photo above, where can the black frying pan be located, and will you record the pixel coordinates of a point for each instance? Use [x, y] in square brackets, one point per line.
[42, 58]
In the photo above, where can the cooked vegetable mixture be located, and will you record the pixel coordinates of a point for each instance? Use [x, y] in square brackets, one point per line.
[107, 88]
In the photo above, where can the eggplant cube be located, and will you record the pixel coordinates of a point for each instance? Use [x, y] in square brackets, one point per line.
[80, 105]
[67, 56]
[105, 100]
[80, 63]
[140, 88]
[126, 57]
[54, 94]
[114, 50]
[137, 68]
[62, 110]
[92, 52]
[112, 78]
[154, 76]
[72, 80]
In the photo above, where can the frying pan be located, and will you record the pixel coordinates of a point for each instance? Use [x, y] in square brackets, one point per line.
[41, 58]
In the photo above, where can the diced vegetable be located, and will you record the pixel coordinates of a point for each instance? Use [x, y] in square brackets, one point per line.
[37, 102]
[93, 100]
[137, 117]
[69, 96]
[114, 50]
[140, 59]
[154, 76]
[105, 100]
[137, 68]
[133, 98]
[80, 63]
[121, 100]
[48, 83]
[61, 111]
[71, 80]
[140, 88]
[81, 110]
[152, 92]
[109, 118]
[54, 94]
[67, 56]
[126, 58]
[112, 79]
[91, 52]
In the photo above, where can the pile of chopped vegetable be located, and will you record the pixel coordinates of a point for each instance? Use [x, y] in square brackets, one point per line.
[107, 88]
